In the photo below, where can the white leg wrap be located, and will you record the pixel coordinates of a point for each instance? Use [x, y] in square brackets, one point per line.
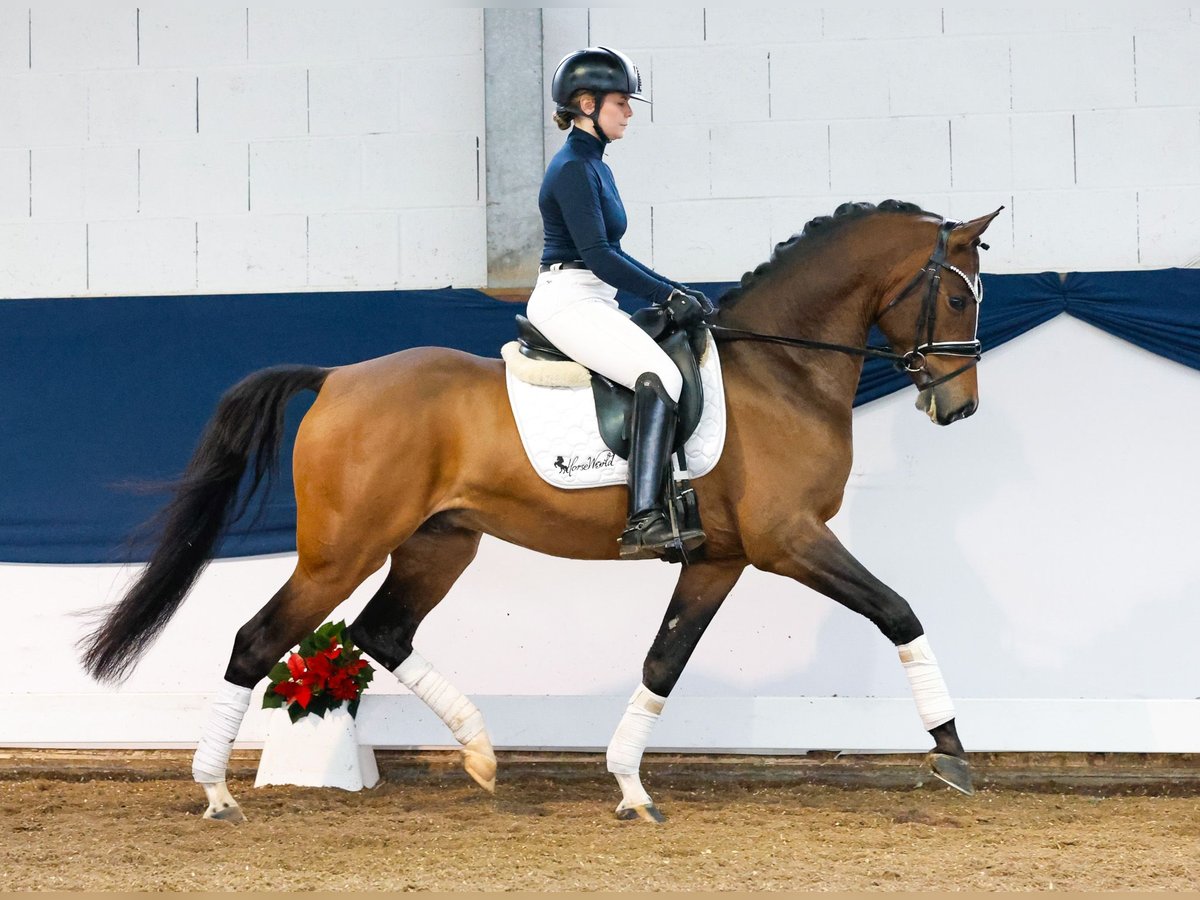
[633, 733]
[451, 705]
[224, 719]
[928, 687]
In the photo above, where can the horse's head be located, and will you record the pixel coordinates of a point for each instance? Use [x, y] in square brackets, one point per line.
[932, 316]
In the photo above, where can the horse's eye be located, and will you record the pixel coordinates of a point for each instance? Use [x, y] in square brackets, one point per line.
[959, 303]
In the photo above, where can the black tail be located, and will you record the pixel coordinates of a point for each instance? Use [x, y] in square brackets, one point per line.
[248, 423]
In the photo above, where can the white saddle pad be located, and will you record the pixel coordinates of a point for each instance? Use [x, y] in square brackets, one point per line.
[558, 423]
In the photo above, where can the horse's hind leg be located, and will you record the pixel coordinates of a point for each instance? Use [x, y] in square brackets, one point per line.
[823, 564]
[294, 612]
[423, 570]
[701, 590]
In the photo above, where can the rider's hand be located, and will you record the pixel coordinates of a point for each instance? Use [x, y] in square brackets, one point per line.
[684, 309]
[707, 304]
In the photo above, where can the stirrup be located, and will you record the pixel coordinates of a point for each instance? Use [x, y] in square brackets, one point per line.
[649, 536]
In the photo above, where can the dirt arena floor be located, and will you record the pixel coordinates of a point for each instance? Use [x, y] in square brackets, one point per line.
[132, 821]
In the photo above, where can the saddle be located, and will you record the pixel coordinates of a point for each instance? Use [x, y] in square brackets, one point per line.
[614, 402]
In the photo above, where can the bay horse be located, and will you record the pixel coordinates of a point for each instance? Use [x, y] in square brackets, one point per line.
[415, 455]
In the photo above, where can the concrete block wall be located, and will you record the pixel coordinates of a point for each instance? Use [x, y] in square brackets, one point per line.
[222, 146]
[1082, 120]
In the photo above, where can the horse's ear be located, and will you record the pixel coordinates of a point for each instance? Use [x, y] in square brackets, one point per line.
[968, 233]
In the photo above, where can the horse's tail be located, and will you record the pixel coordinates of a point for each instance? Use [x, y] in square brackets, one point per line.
[248, 424]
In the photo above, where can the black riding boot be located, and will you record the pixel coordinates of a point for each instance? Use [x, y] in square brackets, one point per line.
[652, 433]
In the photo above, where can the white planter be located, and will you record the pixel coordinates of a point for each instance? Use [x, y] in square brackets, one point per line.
[316, 751]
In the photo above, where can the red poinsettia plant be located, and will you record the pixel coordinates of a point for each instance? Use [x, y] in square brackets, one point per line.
[327, 671]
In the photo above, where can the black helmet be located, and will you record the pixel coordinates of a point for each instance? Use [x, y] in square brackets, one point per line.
[597, 69]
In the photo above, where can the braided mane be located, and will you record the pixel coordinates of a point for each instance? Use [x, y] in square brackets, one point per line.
[820, 227]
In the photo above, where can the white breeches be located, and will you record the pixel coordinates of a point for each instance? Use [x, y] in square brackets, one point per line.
[578, 313]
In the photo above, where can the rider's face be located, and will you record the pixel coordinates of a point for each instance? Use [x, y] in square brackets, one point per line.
[614, 114]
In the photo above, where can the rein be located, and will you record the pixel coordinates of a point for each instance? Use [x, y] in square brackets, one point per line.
[916, 359]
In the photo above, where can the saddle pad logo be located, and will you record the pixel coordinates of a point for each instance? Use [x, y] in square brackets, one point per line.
[568, 466]
[562, 440]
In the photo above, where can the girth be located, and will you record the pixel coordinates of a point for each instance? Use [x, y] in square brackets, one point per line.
[614, 402]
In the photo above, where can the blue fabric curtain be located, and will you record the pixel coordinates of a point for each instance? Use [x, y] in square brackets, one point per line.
[102, 392]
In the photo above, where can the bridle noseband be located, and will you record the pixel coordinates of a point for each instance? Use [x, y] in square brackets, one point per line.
[916, 359]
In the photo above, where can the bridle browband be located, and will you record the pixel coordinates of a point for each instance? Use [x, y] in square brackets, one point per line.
[916, 359]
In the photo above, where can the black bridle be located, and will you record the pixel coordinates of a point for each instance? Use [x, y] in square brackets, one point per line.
[916, 359]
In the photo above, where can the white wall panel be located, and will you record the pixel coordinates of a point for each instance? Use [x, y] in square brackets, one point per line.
[855, 22]
[444, 248]
[251, 253]
[414, 170]
[1162, 57]
[774, 159]
[980, 152]
[804, 84]
[892, 156]
[388, 29]
[14, 36]
[975, 19]
[38, 110]
[645, 27]
[716, 84]
[440, 94]
[768, 26]
[69, 35]
[142, 256]
[194, 178]
[303, 175]
[175, 35]
[1169, 226]
[111, 181]
[14, 184]
[52, 255]
[354, 250]
[1072, 71]
[354, 98]
[254, 102]
[661, 162]
[304, 32]
[1138, 147]
[933, 75]
[56, 182]
[709, 240]
[1043, 151]
[1064, 231]
[131, 106]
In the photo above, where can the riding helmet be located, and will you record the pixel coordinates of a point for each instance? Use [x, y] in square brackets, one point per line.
[599, 69]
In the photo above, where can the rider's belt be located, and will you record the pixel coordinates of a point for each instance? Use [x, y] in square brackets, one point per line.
[569, 264]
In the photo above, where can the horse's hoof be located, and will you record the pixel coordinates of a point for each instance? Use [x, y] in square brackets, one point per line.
[952, 770]
[480, 762]
[226, 814]
[647, 813]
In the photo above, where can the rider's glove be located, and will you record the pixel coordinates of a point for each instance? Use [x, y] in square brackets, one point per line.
[709, 307]
[685, 309]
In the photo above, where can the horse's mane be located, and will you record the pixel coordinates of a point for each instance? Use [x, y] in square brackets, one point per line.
[812, 235]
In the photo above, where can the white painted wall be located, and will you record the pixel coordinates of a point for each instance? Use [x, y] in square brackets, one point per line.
[1047, 544]
[218, 146]
[1083, 119]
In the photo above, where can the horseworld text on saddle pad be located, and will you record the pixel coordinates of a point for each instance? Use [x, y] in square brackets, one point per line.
[558, 424]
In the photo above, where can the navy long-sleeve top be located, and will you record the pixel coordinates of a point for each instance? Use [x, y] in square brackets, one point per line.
[584, 219]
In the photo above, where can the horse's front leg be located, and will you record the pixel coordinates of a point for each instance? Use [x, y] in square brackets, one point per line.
[818, 559]
[701, 590]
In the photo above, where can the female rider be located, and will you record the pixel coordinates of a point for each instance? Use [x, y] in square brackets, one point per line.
[574, 302]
